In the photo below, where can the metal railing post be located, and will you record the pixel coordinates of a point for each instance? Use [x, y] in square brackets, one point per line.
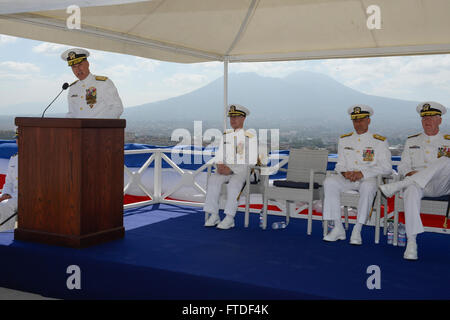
[157, 178]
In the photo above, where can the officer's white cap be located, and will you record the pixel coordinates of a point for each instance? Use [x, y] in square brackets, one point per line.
[360, 111]
[74, 55]
[237, 110]
[430, 108]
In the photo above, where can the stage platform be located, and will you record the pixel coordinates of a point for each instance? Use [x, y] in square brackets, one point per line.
[167, 254]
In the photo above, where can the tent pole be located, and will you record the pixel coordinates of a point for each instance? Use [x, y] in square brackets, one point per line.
[225, 93]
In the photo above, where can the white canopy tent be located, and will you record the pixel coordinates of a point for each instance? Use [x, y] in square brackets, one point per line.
[189, 31]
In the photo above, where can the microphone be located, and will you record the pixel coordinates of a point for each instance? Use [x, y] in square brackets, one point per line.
[64, 87]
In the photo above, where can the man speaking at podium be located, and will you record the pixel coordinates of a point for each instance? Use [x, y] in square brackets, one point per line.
[90, 96]
[8, 197]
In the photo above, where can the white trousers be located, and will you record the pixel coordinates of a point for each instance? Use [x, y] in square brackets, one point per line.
[433, 181]
[215, 183]
[335, 184]
[7, 208]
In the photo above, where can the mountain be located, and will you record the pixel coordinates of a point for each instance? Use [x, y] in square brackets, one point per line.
[302, 97]
[300, 100]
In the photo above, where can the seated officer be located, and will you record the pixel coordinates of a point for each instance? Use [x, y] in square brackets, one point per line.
[361, 157]
[90, 96]
[237, 150]
[8, 198]
[425, 164]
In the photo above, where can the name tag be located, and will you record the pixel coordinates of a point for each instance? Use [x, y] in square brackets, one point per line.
[414, 147]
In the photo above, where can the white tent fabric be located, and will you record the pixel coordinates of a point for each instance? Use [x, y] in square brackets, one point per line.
[17, 6]
[190, 31]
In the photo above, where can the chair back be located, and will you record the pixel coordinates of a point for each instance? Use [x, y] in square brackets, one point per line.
[301, 161]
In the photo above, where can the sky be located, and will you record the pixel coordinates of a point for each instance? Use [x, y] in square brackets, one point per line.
[33, 72]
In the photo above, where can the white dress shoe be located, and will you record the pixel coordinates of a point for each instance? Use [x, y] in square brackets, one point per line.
[411, 251]
[226, 223]
[213, 220]
[356, 237]
[335, 234]
[390, 189]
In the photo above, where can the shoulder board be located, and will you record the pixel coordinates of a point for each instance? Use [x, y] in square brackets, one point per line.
[414, 135]
[101, 78]
[447, 136]
[377, 136]
[248, 134]
[73, 83]
[347, 135]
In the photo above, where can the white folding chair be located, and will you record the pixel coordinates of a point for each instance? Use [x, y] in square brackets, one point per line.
[351, 199]
[305, 174]
[248, 188]
[256, 187]
[436, 206]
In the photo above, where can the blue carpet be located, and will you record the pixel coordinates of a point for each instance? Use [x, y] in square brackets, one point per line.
[168, 254]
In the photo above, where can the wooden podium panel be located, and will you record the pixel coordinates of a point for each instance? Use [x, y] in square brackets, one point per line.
[70, 180]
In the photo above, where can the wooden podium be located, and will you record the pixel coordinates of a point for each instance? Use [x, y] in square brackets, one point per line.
[70, 181]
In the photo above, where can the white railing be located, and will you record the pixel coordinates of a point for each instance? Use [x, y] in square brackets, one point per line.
[156, 156]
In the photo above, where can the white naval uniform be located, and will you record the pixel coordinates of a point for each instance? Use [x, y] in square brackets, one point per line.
[237, 150]
[367, 153]
[430, 156]
[94, 97]
[9, 206]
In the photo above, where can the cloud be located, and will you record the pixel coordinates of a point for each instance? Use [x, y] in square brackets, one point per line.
[142, 80]
[186, 80]
[408, 78]
[7, 39]
[50, 48]
[155, 90]
[147, 64]
[272, 69]
[13, 66]
[32, 88]
[210, 65]
[55, 49]
[428, 64]
[98, 55]
[117, 73]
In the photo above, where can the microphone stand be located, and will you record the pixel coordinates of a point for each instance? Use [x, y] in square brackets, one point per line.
[64, 87]
[9, 218]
